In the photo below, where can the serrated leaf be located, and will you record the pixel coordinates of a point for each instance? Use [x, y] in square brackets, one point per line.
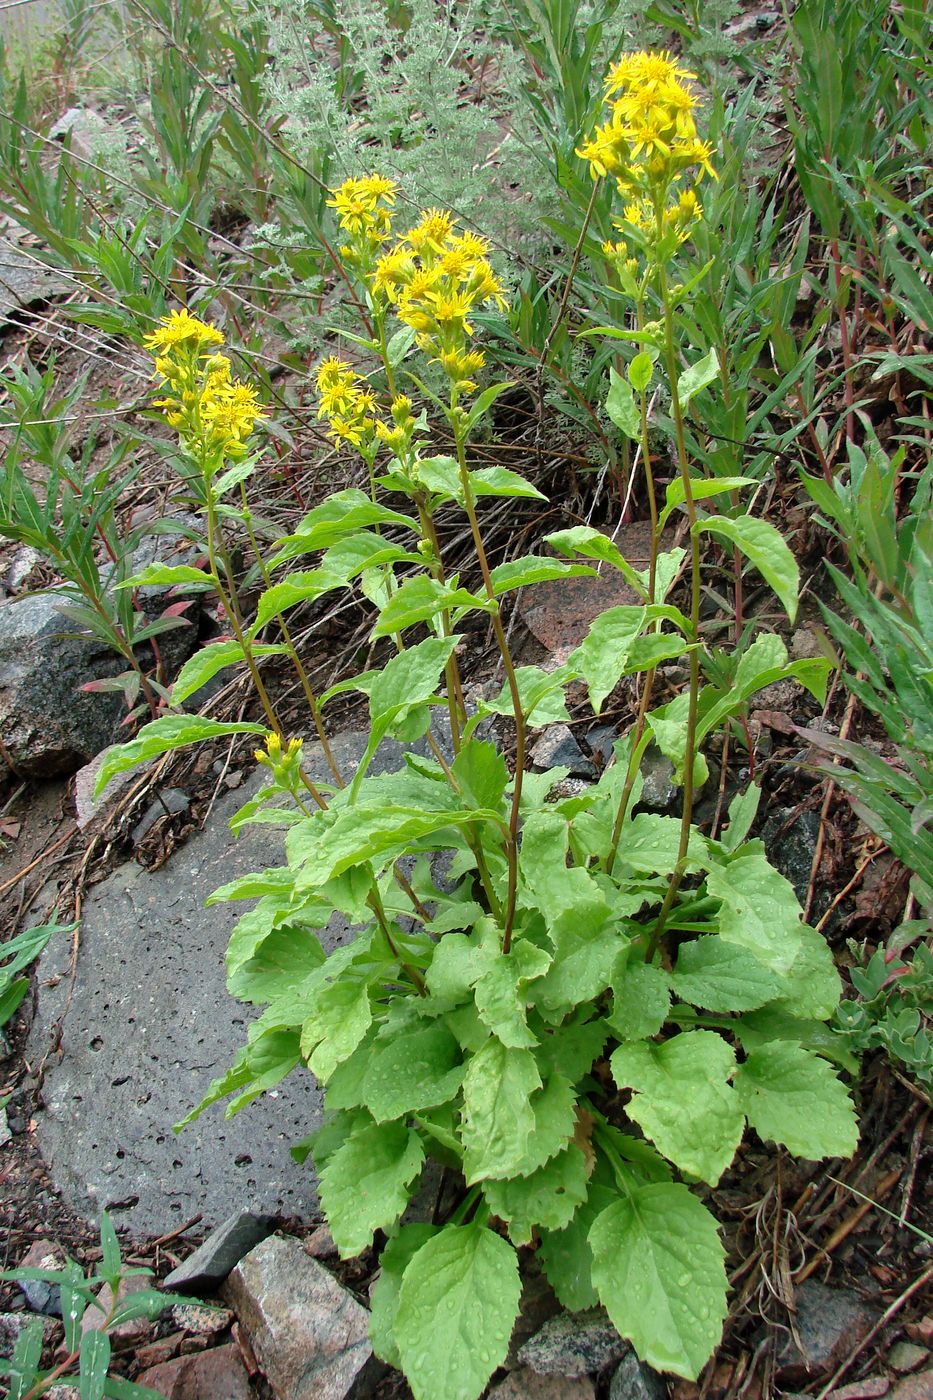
[457, 1306]
[764, 545]
[393, 1261]
[760, 910]
[541, 694]
[794, 1097]
[415, 1070]
[659, 1272]
[169, 732]
[772, 1022]
[566, 1254]
[603, 654]
[342, 514]
[365, 1184]
[719, 976]
[411, 677]
[682, 1099]
[547, 1198]
[697, 376]
[641, 1001]
[283, 958]
[169, 575]
[341, 1017]
[811, 987]
[651, 842]
[498, 1118]
[554, 1109]
[501, 991]
[206, 663]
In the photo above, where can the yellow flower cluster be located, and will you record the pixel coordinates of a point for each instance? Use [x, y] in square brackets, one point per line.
[284, 763]
[347, 405]
[647, 146]
[435, 277]
[364, 208]
[209, 408]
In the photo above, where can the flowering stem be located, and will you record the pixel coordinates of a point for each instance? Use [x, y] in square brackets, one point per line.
[670, 355]
[511, 850]
[291, 649]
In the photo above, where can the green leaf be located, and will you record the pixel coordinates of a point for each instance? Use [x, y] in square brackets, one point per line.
[721, 976]
[641, 1001]
[548, 1198]
[498, 1118]
[457, 1306]
[499, 481]
[760, 542]
[794, 1097]
[482, 774]
[697, 376]
[205, 664]
[365, 1184]
[593, 544]
[341, 1017]
[501, 995]
[485, 402]
[621, 407]
[393, 1261]
[603, 654]
[412, 1071]
[301, 587]
[651, 842]
[283, 958]
[658, 1269]
[169, 574]
[169, 732]
[682, 1099]
[411, 677]
[812, 987]
[421, 598]
[759, 911]
[566, 1254]
[701, 488]
[342, 514]
[27, 1354]
[772, 1022]
[555, 1111]
[110, 1261]
[640, 371]
[742, 812]
[95, 1358]
[541, 694]
[534, 568]
[11, 998]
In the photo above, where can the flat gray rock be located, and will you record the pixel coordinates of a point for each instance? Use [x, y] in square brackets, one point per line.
[148, 1026]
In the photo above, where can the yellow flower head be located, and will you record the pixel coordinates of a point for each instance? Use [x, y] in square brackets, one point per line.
[650, 139]
[348, 407]
[180, 328]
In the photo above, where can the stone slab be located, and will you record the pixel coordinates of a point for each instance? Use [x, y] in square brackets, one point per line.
[148, 1026]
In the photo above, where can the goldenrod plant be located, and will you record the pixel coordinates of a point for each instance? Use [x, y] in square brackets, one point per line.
[581, 1019]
